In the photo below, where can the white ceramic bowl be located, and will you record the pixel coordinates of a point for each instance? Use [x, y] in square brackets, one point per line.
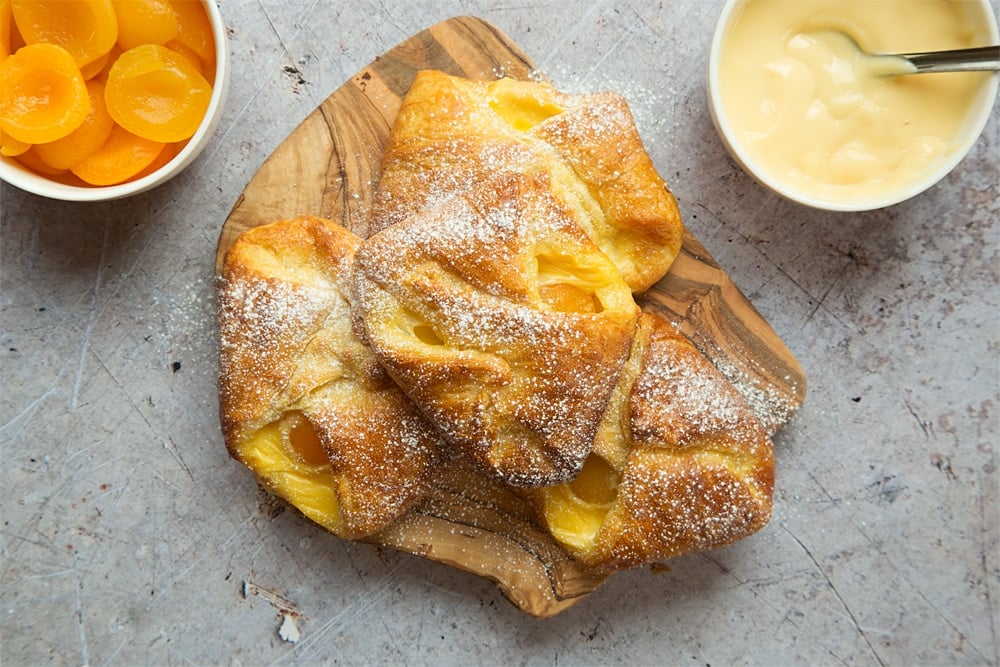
[21, 177]
[982, 16]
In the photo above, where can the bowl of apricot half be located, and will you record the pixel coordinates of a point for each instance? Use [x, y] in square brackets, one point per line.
[104, 99]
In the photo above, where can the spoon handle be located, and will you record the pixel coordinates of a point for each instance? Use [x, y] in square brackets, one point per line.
[980, 58]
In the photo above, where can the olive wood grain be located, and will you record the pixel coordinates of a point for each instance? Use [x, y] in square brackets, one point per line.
[330, 165]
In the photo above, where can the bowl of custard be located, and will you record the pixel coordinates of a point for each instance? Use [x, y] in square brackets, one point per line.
[801, 110]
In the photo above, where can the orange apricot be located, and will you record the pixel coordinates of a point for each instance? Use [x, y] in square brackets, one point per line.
[145, 22]
[16, 40]
[31, 160]
[169, 152]
[99, 68]
[195, 31]
[5, 25]
[10, 36]
[42, 94]
[11, 147]
[95, 67]
[86, 28]
[192, 57]
[122, 157]
[84, 140]
[157, 94]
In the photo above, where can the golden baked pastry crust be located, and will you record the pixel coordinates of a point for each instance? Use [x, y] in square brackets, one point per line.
[491, 316]
[303, 402]
[501, 319]
[451, 132]
[681, 464]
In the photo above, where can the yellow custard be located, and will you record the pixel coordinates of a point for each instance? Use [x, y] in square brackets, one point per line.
[816, 115]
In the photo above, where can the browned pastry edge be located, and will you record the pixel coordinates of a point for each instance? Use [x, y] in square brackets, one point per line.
[303, 402]
[502, 321]
[451, 131]
[684, 463]
[694, 467]
[703, 461]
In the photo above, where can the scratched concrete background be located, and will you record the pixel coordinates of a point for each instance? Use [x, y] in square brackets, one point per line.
[129, 537]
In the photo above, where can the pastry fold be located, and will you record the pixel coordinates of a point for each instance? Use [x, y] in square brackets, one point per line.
[499, 317]
[680, 463]
[303, 402]
[451, 132]
[489, 316]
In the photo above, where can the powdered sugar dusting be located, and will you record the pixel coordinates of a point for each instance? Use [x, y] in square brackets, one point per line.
[271, 309]
[695, 394]
[535, 379]
[441, 272]
[290, 363]
[652, 108]
[681, 397]
[773, 407]
[261, 324]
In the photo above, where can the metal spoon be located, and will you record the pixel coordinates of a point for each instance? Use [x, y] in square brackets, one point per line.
[976, 59]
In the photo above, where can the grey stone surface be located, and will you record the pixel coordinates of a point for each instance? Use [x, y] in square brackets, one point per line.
[129, 536]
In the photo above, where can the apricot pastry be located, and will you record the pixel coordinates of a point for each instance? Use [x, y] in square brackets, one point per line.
[503, 322]
[680, 463]
[453, 132]
[303, 403]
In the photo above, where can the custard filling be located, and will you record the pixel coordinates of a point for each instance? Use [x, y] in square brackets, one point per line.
[288, 457]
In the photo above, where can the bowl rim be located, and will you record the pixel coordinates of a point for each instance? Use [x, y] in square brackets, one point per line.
[975, 126]
[24, 179]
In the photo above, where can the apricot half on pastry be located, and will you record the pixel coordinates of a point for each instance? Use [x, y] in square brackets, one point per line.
[303, 402]
[499, 317]
[681, 464]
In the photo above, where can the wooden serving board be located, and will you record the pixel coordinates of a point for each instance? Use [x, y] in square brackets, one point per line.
[330, 165]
